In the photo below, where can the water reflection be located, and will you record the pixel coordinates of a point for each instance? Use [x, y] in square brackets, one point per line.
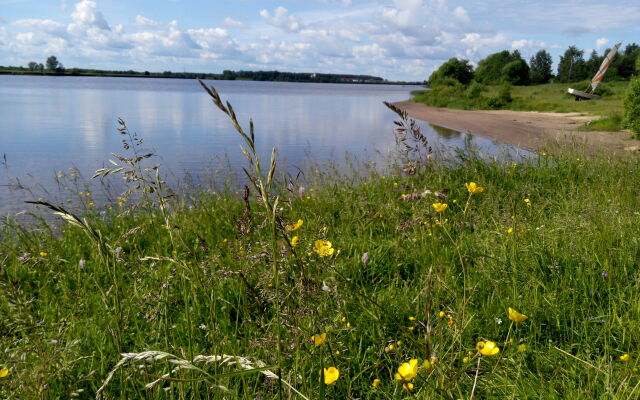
[52, 123]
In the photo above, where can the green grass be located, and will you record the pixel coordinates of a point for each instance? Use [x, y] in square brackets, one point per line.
[570, 263]
[545, 98]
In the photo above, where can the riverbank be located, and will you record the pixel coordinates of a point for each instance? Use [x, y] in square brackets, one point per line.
[527, 129]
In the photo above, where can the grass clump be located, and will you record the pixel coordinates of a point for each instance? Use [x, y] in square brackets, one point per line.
[469, 280]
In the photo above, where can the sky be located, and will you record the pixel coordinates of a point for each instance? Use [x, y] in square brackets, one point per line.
[394, 39]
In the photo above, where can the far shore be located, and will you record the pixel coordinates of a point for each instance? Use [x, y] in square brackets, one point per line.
[528, 130]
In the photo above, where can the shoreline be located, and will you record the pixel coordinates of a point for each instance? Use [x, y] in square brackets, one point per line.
[525, 129]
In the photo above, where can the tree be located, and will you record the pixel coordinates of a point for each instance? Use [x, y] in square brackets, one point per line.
[516, 72]
[33, 66]
[40, 67]
[572, 67]
[52, 63]
[593, 63]
[460, 70]
[540, 67]
[626, 60]
[491, 70]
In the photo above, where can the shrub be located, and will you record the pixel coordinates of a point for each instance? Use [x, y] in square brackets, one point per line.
[632, 108]
[458, 70]
[474, 91]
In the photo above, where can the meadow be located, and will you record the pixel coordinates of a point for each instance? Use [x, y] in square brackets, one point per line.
[551, 97]
[459, 279]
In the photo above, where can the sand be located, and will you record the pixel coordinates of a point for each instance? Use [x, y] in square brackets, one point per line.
[535, 131]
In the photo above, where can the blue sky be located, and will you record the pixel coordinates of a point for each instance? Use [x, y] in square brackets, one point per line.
[395, 39]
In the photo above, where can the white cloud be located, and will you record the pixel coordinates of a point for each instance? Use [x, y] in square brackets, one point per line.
[86, 14]
[45, 25]
[602, 43]
[232, 23]
[481, 44]
[144, 21]
[525, 44]
[282, 19]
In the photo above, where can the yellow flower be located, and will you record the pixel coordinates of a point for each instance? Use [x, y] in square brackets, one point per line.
[375, 383]
[440, 207]
[295, 226]
[4, 372]
[527, 202]
[510, 230]
[516, 316]
[411, 328]
[625, 357]
[488, 348]
[412, 318]
[407, 386]
[43, 254]
[324, 229]
[91, 204]
[323, 248]
[407, 371]
[294, 241]
[473, 188]
[318, 339]
[522, 348]
[331, 375]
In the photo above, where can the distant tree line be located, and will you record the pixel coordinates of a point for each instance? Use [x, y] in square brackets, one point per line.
[53, 66]
[510, 67]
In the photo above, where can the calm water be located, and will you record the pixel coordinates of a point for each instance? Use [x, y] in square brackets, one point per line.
[52, 123]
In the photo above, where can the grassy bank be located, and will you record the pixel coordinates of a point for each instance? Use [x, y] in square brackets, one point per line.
[215, 296]
[544, 98]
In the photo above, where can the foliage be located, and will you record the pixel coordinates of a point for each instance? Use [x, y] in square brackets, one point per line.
[516, 72]
[490, 71]
[541, 67]
[632, 107]
[625, 62]
[53, 64]
[572, 67]
[460, 70]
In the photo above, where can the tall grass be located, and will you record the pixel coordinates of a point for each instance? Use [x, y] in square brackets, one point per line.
[222, 302]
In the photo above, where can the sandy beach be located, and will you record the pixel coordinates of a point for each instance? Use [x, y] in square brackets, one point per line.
[529, 130]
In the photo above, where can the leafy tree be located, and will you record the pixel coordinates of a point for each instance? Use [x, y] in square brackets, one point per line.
[40, 67]
[540, 67]
[632, 107]
[52, 63]
[516, 72]
[491, 69]
[572, 66]
[593, 63]
[626, 60]
[33, 66]
[460, 70]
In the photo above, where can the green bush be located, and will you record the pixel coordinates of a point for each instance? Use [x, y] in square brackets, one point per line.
[474, 91]
[632, 107]
[458, 70]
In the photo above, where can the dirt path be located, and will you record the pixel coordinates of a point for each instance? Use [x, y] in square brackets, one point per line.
[529, 130]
